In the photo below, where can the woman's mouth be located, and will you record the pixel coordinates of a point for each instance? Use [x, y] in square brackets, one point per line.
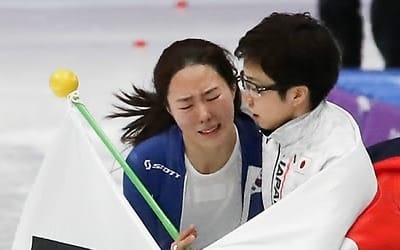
[210, 130]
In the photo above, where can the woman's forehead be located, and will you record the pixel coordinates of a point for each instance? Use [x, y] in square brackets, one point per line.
[195, 78]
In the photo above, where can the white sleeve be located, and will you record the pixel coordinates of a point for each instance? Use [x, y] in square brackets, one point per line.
[317, 215]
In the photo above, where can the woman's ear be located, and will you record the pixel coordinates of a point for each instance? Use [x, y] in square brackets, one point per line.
[234, 89]
[300, 95]
[168, 109]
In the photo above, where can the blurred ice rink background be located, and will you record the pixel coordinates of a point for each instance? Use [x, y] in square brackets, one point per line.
[94, 38]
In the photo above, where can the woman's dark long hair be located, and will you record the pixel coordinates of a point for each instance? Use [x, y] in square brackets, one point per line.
[151, 107]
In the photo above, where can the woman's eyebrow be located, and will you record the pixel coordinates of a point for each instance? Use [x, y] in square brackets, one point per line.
[188, 98]
[184, 99]
[251, 78]
[208, 91]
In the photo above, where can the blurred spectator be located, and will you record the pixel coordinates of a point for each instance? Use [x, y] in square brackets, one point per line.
[344, 19]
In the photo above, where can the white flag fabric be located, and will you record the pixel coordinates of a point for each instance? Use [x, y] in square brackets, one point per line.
[75, 204]
[315, 216]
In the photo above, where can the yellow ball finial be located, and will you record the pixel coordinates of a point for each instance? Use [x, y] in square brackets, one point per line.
[63, 82]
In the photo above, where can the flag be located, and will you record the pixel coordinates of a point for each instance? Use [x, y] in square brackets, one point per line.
[378, 226]
[315, 216]
[75, 204]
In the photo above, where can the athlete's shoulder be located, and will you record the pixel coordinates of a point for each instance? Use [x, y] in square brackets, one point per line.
[250, 140]
[157, 147]
[384, 150]
[244, 121]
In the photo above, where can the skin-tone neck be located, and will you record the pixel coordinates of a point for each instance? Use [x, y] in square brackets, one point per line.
[210, 160]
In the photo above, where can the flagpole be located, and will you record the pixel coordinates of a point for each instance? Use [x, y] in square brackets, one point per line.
[65, 83]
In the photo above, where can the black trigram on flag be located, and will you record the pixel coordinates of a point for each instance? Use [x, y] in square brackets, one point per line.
[46, 244]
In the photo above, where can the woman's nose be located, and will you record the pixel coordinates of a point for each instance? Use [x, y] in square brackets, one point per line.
[204, 112]
[247, 98]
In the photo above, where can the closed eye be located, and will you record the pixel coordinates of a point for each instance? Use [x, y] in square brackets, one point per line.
[186, 107]
[213, 98]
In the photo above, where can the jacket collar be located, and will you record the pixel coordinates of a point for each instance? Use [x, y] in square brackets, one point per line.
[301, 127]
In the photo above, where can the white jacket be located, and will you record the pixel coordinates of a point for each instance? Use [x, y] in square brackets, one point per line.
[317, 171]
[306, 145]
